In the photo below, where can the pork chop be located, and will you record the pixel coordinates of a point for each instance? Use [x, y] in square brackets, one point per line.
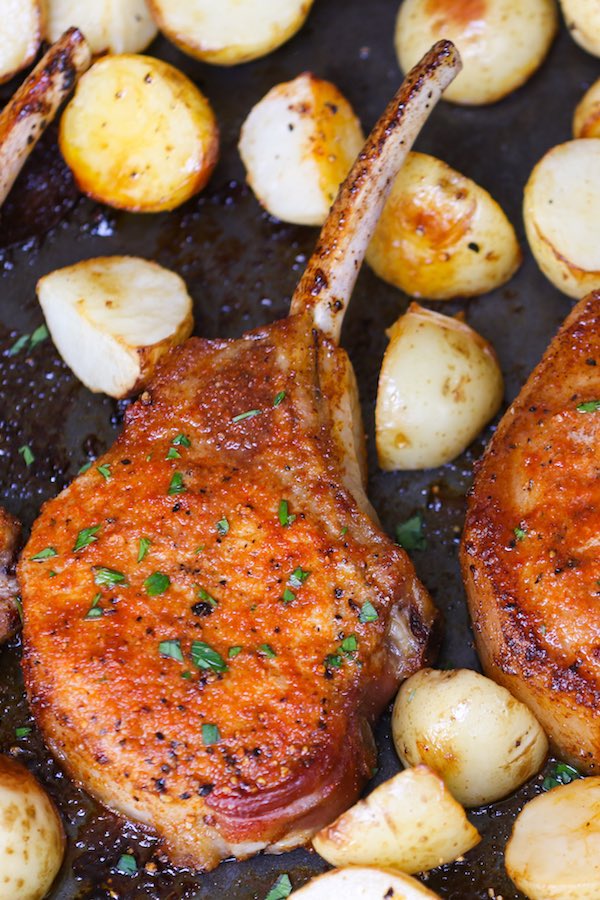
[226, 621]
[10, 535]
[531, 544]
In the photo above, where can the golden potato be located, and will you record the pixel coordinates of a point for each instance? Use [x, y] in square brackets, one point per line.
[362, 883]
[230, 31]
[586, 121]
[560, 209]
[20, 35]
[582, 18]
[298, 144]
[138, 134]
[501, 42]
[441, 235]
[116, 26]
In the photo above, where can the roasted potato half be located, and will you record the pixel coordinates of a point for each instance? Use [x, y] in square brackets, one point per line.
[501, 42]
[554, 850]
[114, 26]
[138, 134]
[582, 18]
[586, 121]
[298, 144]
[112, 318]
[560, 208]
[441, 235]
[477, 737]
[229, 31]
[439, 385]
[32, 840]
[361, 883]
[20, 35]
[410, 823]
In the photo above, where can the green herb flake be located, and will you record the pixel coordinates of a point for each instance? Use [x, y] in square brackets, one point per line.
[205, 657]
[127, 864]
[298, 577]
[222, 526]
[171, 649]
[104, 471]
[23, 731]
[281, 889]
[368, 613]
[39, 335]
[589, 406]
[52, 574]
[234, 651]
[46, 553]
[520, 533]
[267, 650]
[176, 485]
[157, 584]
[250, 414]
[95, 611]
[288, 596]
[349, 644]
[333, 661]
[278, 398]
[86, 537]
[187, 675]
[144, 546]
[210, 734]
[106, 577]
[410, 535]
[19, 605]
[27, 454]
[173, 453]
[206, 597]
[199, 550]
[562, 773]
[344, 531]
[283, 514]
[181, 441]
[85, 467]
[19, 344]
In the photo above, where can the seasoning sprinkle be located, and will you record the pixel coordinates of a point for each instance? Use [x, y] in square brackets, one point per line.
[222, 526]
[288, 596]
[205, 657]
[86, 537]
[267, 650]
[278, 398]
[171, 649]
[333, 661]
[104, 471]
[520, 533]
[247, 415]
[368, 613]
[589, 406]
[144, 546]
[157, 584]
[298, 577]
[173, 453]
[108, 577]
[210, 734]
[233, 652]
[85, 467]
[283, 513]
[46, 553]
[349, 644]
[95, 611]
[206, 597]
[181, 440]
[27, 454]
[176, 485]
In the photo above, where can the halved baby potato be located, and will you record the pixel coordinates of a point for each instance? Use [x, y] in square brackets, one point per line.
[138, 134]
[560, 209]
[439, 385]
[554, 849]
[410, 823]
[20, 35]
[228, 32]
[116, 26]
[361, 883]
[298, 144]
[586, 121]
[441, 235]
[582, 18]
[501, 42]
[113, 318]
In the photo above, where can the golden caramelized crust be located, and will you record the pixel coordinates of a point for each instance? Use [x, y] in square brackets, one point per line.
[221, 686]
[531, 546]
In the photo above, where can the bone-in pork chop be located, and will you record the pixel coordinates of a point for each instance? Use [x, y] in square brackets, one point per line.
[531, 546]
[226, 621]
[10, 533]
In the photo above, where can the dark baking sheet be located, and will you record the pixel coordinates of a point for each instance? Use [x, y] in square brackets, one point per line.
[241, 267]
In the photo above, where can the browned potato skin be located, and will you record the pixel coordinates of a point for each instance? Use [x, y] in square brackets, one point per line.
[534, 599]
[34, 44]
[586, 121]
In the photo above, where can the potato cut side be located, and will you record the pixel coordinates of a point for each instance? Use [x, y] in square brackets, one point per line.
[562, 199]
[441, 235]
[582, 18]
[230, 31]
[363, 883]
[439, 385]
[298, 144]
[116, 26]
[586, 121]
[113, 318]
[554, 850]
[138, 134]
[410, 823]
[20, 35]
[482, 741]
[501, 42]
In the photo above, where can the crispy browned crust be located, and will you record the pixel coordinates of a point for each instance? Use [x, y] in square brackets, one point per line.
[295, 742]
[10, 535]
[534, 593]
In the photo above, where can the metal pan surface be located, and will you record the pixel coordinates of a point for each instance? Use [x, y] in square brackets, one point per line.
[241, 267]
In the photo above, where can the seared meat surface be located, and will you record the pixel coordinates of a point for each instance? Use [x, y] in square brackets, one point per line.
[10, 534]
[531, 552]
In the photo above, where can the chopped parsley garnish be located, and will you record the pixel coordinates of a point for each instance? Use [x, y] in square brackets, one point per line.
[204, 657]
[26, 453]
[283, 513]
[278, 398]
[127, 864]
[173, 453]
[181, 441]
[206, 597]
[86, 537]
[222, 526]
[199, 550]
[560, 774]
[156, 584]
[520, 533]
[46, 553]
[85, 467]
[104, 471]
[108, 577]
[19, 605]
[187, 675]
[210, 734]
[267, 650]
[23, 731]
[144, 546]
[589, 406]
[171, 649]
[95, 611]
[176, 485]
[333, 661]
[19, 344]
[410, 535]
[281, 889]
[344, 531]
[368, 613]
[288, 596]
[40, 334]
[349, 644]
[233, 652]
[298, 577]
[247, 415]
